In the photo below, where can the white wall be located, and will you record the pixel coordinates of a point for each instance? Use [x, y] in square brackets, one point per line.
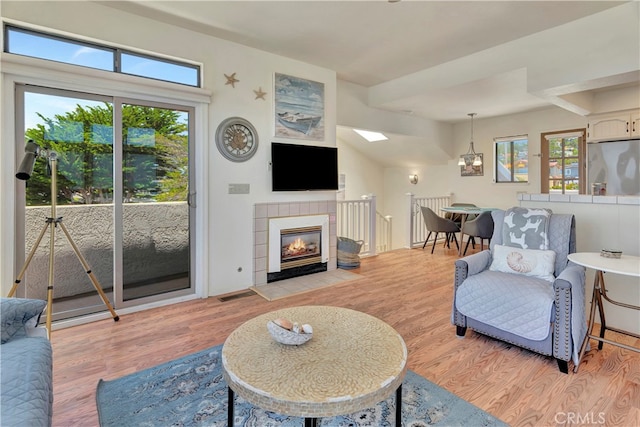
[353, 110]
[228, 236]
[445, 179]
[390, 186]
[612, 226]
[433, 181]
[623, 98]
[482, 190]
[440, 180]
[362, 175]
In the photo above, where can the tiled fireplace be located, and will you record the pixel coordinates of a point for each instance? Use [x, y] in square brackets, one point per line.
[293, 239]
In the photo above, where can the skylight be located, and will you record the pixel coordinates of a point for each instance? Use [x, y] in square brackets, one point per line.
[371, 136]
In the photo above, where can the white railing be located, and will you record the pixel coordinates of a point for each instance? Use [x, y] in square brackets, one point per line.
[417, 230]
[359, 220]
[383, 232]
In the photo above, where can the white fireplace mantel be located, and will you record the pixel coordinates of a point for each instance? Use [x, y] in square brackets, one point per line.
[292, 222]
[263, 212]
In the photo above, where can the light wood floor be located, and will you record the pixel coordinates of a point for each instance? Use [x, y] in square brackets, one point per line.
[410, 290]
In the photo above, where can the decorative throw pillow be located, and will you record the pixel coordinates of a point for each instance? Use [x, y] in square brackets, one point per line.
[528, 262]
[16, 312]
[526, 228]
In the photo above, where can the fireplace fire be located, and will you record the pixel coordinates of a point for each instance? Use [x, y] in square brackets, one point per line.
[300, 246]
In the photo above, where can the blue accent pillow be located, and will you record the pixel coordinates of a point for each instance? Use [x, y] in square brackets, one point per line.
[16, 312]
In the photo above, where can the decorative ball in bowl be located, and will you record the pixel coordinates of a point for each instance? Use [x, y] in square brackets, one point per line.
[286, 332]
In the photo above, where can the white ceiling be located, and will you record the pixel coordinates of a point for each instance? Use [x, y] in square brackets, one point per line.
[376, 42]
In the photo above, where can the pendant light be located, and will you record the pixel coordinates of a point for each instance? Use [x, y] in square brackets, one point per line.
[477, 160]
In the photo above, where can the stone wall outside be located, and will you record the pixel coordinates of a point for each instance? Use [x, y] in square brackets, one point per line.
[155, 240]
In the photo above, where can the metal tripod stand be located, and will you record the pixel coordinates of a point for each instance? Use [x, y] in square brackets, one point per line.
[52, 223]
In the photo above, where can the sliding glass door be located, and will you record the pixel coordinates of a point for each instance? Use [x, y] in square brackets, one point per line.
[122, 192]
[155, 211]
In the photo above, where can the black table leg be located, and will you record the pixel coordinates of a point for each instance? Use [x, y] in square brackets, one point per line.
[399, 406]
[230, 407]
[603, 322]
[313, 422]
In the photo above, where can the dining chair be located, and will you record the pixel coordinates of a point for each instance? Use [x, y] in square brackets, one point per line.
[437, 224]
[480, 227]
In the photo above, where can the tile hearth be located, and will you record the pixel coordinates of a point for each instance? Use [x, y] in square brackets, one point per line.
[302, 284]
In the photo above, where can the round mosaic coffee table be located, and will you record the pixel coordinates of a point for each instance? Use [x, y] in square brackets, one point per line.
[353, 362]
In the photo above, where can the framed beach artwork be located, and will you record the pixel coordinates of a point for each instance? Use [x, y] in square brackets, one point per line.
[299, 108]
[469, 169]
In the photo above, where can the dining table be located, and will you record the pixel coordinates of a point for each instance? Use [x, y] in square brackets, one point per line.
[464, 212]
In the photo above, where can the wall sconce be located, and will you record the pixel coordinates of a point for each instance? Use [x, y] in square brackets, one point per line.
[413, 179]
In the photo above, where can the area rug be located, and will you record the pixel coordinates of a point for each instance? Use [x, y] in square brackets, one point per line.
[190, 391]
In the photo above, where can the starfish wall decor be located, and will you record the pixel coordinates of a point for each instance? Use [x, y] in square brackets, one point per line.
[259, 93]
[231, 80]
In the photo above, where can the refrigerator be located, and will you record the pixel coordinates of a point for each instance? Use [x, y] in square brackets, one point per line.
[616, 164]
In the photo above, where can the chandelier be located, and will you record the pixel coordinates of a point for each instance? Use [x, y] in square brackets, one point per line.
[471, 156]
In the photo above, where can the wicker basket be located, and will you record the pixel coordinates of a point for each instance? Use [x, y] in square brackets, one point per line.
[348, 250]
[348, 257]
[285, 336]
[349, 245]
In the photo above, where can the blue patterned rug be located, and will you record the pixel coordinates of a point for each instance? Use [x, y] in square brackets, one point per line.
[190, 391]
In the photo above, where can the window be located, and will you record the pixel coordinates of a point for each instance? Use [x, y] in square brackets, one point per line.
[511, 159]
[563, 162]
[154, 68]
[51, 47]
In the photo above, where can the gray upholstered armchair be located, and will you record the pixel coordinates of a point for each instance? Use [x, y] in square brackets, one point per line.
[545, 315]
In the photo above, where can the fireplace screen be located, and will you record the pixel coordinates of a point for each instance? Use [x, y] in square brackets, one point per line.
[300, 246]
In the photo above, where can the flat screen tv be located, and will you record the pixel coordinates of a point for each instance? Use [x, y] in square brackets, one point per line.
[297, 167]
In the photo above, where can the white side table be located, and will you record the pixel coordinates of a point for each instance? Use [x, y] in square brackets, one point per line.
[626, 265]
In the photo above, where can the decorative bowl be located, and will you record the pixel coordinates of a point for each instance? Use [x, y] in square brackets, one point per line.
[610, 253]
[285, 336]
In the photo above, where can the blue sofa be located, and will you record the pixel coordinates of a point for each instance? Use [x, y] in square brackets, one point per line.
[26, 366]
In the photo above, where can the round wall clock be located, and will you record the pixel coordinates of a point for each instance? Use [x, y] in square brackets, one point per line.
[237, 139]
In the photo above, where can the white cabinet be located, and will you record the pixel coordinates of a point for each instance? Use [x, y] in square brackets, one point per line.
[613, 126]
[635, 125]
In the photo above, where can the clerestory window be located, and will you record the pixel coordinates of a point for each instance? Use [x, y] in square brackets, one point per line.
[21, 41]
